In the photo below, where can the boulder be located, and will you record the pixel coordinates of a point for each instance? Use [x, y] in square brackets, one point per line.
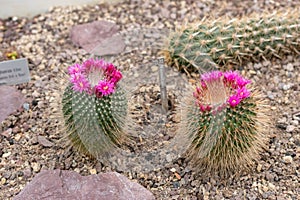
[10, 100]
[99, 38]
[69, 185]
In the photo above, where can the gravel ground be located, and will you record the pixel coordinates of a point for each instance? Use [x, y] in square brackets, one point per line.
[31, 139]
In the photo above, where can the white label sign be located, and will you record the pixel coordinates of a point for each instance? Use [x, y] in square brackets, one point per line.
[14, 72]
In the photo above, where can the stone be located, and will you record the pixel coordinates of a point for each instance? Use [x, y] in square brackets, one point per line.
[69, 185]
[110, 46]
[10, 100]
[288, 159]
[98, 37]
[44, 142]
[290, 128]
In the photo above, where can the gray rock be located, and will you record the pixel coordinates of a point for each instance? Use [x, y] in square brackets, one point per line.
[69, 185]
[44, 142]
[99, 38]
[10, 100]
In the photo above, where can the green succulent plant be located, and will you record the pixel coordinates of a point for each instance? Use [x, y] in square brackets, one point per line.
[212, 43]
[227, 124]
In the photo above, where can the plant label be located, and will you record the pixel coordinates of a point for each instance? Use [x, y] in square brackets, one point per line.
[14, 72]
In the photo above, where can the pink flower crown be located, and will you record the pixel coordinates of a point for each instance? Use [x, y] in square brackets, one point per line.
[212, 84]
[94, 77]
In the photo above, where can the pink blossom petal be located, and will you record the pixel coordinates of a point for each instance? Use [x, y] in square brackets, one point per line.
[242, 93]
[234, 100]
[104, 88]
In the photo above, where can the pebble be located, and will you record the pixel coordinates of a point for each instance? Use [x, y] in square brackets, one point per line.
[3, 181]
[36, 167]
[44, 142]
[173, 170]
[290, 128]
[289, 67]
[259, 167]
[288, 159]
[7, 154]
[93, 171]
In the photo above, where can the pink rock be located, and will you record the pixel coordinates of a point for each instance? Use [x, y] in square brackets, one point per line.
[99, 38]
[69, 185]
[10, 100]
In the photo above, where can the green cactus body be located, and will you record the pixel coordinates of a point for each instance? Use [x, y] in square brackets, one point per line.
[227, 125]
[210, 44]
[94, 120]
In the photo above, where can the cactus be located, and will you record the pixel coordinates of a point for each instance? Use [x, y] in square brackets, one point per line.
[227, 123]
[210, 44]
[94, 107]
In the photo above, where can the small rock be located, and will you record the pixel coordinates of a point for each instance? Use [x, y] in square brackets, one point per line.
[272, 186]
[3, 181]
[259, 167]
[173, 170]
[44, 142]
[93, 171]
[168, 158]
[27, 172]
[5, 155]
[154, 68]
[288, 159]
[289, 67]
[290, 128]
[36, 167]
[286, 87]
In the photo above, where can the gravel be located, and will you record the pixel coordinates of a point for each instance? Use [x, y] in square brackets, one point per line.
[33, 143]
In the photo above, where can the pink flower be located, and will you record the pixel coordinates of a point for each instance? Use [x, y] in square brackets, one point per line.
[110, 69]
[116, 77]
[211, 76]
[76, 68]
[104, 88]
[88, 64]
[81, 85]
[230, 77]
[101, 64]
[234, 100]
[242, 93]
[205, 108]
[241, 82]
[76, 77]
[203, 84]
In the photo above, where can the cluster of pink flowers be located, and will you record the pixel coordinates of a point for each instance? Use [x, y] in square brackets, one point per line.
[106, 74]
[234, 83]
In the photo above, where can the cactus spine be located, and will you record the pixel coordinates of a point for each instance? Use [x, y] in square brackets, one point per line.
[94, 107]
[226, 122]
[209, 44]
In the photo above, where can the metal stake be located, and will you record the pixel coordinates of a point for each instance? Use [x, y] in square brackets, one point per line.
[163, 87]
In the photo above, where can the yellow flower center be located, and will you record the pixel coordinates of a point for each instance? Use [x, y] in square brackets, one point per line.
[105, 87]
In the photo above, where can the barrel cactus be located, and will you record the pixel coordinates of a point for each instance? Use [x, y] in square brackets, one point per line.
[227, 122]
[212, 43]
[94, 107]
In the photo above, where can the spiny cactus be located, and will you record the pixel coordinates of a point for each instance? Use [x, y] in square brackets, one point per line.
[227, 123]
[94, 107]
[212, 43]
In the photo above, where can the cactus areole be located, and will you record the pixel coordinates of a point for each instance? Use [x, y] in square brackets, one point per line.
[94, 107]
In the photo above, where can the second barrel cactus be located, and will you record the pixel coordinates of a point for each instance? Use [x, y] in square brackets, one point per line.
[227, 122]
